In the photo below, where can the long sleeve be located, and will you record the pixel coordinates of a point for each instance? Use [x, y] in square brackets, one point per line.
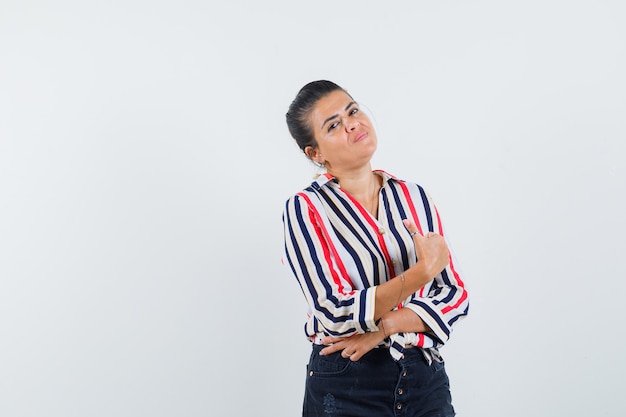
[339, 253]
[325, 271]
[446, 300]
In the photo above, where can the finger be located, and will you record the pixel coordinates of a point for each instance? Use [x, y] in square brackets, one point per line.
[329, 350]
[345, 354]
[329, 340]
[411, 227]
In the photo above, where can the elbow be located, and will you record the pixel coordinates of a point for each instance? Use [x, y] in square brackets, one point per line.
[341, 326]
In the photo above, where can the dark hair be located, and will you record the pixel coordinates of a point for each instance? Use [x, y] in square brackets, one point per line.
[301, 107]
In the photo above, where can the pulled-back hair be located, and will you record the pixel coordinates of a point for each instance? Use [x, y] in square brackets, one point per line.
[301, 108]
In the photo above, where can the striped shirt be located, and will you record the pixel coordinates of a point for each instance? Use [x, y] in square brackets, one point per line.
[339, 253]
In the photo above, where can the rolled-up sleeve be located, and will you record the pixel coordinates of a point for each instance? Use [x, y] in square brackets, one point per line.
[339, 308]
[447, 299]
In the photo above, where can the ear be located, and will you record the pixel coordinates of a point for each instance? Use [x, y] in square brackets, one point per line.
[314, 154]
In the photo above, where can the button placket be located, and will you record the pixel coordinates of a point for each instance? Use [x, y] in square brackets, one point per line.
[399, 394]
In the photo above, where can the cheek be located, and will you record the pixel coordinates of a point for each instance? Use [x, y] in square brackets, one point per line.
[326, 143]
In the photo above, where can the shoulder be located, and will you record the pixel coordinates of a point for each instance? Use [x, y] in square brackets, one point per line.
[312, 191]
[302, 195]
[302, 200]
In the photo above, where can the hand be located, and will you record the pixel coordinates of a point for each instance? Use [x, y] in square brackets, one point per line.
[353, 347]
[431, 250]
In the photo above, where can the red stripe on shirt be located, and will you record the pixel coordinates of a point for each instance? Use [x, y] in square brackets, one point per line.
[456, 275]
[462, 298]
[328, 248]
[368, 217]
[407, 196]
[420, 340]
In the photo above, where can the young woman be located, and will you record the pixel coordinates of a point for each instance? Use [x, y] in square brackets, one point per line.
[369, 253]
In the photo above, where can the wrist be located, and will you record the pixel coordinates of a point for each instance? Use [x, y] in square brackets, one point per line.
[388, 325]
[382, 327]
[419, 275]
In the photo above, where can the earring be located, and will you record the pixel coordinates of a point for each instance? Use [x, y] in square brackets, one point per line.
[321, 169]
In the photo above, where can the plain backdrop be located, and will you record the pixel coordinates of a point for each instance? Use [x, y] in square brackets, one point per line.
[145, 161]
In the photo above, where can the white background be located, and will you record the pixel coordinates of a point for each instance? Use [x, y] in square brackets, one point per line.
[145, 161]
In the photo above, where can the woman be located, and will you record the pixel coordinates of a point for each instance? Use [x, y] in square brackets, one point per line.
[369, 253]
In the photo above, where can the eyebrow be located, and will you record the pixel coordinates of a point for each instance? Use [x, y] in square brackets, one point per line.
[336, 115]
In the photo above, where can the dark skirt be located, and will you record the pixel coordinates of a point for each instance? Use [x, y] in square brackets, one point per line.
[376, 386]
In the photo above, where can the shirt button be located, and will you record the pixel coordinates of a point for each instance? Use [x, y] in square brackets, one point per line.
[381, 230]
[394, 262]
[311, 373]
[400, 391]
[399, 406]
[404, 373]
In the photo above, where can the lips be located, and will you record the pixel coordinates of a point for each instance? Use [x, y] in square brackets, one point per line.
[361, 136]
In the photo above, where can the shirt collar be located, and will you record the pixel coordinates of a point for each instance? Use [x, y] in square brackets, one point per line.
[326, 178]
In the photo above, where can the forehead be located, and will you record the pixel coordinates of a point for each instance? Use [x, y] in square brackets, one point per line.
[331, 104]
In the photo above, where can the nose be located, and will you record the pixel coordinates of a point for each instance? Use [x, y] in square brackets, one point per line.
[350, 124]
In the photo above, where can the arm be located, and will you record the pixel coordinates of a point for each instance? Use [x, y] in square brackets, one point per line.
[338, 308]
[427, 318]
[432, 254]
[434, 313]
[354, 347]
[314, 260]
[447, 299]
[403, 321]
[408, 320]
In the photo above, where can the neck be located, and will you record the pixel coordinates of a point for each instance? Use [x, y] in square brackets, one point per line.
[361, 182]
[362, 185]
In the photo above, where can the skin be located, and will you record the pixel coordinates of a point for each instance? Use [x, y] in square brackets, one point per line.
[346, 142]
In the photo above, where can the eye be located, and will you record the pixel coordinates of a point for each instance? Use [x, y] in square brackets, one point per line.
[332, 126]
[354, 111]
